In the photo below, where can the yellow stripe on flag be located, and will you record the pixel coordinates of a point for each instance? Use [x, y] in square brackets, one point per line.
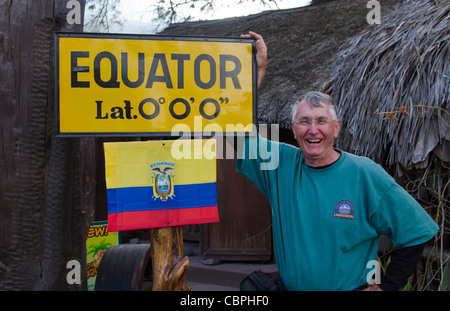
[135, 158]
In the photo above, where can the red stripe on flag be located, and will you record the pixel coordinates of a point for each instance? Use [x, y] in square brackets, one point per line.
[162, 218]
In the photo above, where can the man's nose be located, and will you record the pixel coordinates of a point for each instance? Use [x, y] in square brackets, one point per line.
[313, 128]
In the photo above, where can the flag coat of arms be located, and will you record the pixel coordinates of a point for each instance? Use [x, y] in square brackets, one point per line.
[147, 187]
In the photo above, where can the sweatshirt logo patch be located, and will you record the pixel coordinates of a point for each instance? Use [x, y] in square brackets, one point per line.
[344, 209]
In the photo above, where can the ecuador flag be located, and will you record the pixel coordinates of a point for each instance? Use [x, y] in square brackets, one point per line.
[152, 184]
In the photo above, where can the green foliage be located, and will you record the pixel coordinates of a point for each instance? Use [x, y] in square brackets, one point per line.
[103, 245]
[445, 281]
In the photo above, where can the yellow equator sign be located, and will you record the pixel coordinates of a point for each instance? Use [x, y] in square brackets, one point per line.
[145, 85]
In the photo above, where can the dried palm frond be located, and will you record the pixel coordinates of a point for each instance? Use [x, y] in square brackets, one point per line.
[392, 87]
[391, 83]
[302, 44]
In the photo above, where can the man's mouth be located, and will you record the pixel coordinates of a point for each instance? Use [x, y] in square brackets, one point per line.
[314, 141]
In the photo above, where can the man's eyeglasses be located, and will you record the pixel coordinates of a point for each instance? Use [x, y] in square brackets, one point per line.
[308, 123]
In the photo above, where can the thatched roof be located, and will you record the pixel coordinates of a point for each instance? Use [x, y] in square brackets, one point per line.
[392, 85]
[402, 62]
[303, 44]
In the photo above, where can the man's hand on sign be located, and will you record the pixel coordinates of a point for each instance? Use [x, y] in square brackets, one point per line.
[261, 55]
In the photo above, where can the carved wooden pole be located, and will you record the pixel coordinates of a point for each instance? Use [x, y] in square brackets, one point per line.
[169, 264]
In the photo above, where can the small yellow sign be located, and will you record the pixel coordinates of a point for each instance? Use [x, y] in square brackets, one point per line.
[153, 85]
[98, 240]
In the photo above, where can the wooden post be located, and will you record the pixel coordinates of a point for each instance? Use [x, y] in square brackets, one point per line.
[169, 264]
[42, 220]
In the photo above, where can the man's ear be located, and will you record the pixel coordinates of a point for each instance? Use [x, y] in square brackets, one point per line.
[337, 128]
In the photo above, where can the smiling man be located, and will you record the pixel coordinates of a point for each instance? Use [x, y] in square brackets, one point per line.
[315, 126]
[329, 207]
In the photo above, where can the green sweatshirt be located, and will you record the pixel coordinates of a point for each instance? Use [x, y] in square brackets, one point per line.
[327, 222]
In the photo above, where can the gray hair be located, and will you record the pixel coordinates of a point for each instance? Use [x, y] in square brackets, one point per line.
[315, 99]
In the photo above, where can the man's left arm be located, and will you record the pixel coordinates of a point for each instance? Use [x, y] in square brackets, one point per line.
[403, 262]
[409, 227]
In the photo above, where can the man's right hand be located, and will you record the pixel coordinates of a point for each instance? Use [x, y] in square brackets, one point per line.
[261, 54]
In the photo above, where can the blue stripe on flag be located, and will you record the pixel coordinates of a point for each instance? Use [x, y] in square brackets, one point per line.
[134, 199]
